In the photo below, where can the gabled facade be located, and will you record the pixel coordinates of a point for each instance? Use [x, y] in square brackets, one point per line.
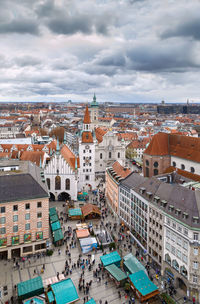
[61, 174]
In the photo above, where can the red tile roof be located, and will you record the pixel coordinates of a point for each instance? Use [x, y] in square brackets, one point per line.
[186, 147]
[86, 119]
[194, 177]
[120, 170]
[33, 156]
[87, 137]
[158, 145]
[100, 133]
[69, 157]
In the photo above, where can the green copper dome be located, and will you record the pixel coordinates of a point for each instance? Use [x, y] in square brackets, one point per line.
[94, 103]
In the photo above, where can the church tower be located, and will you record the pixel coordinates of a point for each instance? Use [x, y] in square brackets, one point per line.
[86, 155]
[94, 111]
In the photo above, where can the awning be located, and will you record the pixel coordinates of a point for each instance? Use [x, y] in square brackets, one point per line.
[142, 283]
[116, 272]
[58, 235]
[55, 226]
[53, 218]
[52, 211]
[110, 258]
[82, 233]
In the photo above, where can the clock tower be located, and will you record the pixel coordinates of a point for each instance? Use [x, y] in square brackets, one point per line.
[86, 155]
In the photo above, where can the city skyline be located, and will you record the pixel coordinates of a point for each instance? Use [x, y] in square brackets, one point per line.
[124, 51]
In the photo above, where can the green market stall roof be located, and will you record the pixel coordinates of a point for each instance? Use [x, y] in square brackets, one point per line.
[50, 297]
[75, 212]
[53, 218]
[64, 292]
[52, 211]
[132, 264]
[142, 283]
[91, 301]
[30, 288]
[110, 258]
[58, 235]
[116, 272]
[55, 226]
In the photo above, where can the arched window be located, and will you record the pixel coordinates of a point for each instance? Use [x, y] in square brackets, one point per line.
[110, 155]
[167, 259]
[192, 169]
[101, 155]
[57, 182]
[175, 265]
[67, 184]
[48, 183]
[147, 172]
[155, 172]
[155, 164]
[147, 163]
[182, 167]
[174, 164]
[118, 155]
[183, 271]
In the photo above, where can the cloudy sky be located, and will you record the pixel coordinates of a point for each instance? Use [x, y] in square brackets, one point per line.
[123, 50]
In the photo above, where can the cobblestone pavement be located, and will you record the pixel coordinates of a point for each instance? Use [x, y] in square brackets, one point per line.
[99, 290]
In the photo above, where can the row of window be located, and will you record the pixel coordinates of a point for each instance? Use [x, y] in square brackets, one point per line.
[109, 155]
[16, 227]
[179, 241]
[15, 217]
[87, 170]
[15, 240]
[192, 170]
[152, 211]
[176, 252]
[90, 151]
[15, 207]
[155, 233]
[175, 226]
[58, 183]
[154, 242]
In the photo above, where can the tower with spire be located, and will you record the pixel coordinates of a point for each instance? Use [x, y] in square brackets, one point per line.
[94, 112]
[87, 154]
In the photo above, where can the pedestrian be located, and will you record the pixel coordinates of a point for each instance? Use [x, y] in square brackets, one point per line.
[44, 266]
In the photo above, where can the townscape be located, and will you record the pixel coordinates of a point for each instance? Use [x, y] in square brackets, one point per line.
[99, 152]
[99, 213]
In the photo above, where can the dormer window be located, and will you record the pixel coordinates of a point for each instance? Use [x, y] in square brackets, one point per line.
[185, 215]
[171, 208]
[164, 203]
[177, 211]
[149, 194]
[195, 219]
[142, 190]
[156, 199]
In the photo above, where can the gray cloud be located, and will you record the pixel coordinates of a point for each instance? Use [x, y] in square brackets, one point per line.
[27, 61]
[24, 26]
[187, 28]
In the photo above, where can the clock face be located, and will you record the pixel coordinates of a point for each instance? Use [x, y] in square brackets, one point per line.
[87, 147]
[87, 160]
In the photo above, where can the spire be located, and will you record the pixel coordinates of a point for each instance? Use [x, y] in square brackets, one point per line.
[65, 139]
[86, 119]
[94, 98]
[57, 147]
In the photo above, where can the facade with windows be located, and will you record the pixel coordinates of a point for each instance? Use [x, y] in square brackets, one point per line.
[108, 149]
[24, 215]
[165, 150]
[164, 220]
[61, 174]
